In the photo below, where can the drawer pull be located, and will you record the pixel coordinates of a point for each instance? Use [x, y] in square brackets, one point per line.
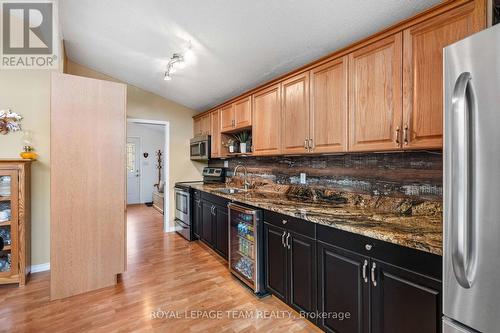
[368, 247]
[365, 277]
[284, 221]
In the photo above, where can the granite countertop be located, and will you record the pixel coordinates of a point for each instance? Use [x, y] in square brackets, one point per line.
[407, 222]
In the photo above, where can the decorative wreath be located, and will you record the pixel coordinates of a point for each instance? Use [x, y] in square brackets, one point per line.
[9, 121]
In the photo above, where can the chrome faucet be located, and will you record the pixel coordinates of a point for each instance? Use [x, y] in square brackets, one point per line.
[245, 175]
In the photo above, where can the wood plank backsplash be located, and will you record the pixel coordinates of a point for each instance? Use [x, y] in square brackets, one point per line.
[402, 174]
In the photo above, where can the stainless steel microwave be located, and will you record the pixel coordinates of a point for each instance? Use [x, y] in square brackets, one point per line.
[200, 148]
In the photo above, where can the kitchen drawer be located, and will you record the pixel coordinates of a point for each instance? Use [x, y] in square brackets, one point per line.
[290, 223]
[215, 199]
[417, 261]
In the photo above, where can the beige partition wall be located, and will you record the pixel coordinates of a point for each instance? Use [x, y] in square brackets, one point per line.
[88, 240]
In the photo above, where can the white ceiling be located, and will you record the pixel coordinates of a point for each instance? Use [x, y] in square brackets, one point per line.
[237, 44]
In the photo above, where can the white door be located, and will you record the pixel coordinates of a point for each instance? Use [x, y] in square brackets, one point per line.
[133, 171]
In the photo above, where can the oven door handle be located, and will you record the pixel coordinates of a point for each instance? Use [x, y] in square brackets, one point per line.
[182, 224]
[183, 192]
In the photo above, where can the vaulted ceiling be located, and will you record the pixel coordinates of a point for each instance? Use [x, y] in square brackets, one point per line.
[236, 44]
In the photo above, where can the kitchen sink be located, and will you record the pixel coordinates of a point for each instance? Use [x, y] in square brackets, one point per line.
[230, 190]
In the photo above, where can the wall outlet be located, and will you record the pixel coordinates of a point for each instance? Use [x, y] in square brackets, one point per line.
[302, 178]
[226, 164]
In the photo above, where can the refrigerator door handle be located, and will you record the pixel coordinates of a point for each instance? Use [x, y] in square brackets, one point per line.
[461, 231]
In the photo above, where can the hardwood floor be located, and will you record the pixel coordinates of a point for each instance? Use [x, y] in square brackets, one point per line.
[166, 276]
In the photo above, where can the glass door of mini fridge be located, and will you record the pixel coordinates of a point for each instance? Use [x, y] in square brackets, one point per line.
[245, 257]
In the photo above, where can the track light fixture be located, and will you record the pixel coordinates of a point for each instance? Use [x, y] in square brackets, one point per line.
[177, 61]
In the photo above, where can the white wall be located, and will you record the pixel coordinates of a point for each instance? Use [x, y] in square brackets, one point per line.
[152, 140]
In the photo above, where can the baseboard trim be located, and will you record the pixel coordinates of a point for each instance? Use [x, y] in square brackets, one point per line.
[40, 267]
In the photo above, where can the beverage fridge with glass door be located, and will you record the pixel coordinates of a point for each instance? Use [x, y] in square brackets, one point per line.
[245, 246]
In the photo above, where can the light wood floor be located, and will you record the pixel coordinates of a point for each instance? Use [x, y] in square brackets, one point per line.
[165, 273]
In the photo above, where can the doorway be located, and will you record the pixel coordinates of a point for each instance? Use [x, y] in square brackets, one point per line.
[133, 170]
[148, 165]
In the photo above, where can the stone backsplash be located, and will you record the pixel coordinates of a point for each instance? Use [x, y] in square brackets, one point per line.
[415, 175]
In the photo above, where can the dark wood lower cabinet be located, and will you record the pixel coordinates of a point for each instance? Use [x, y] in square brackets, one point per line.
[302, 272]
[197, 218]
[343, 290]
[291, 267]
[207, 222]
[404, 301]
[276, 261]
[214, 226]
[351, 292]
[221, 231]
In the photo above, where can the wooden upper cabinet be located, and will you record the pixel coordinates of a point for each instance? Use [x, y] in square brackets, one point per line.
[205, 124]
[227, 118]
[243, 112]
[266, 120]
[236, 115]
[423, 71]
[328, 117]
[197, 126]
[375, 109]
[295, 114]
[215, 143]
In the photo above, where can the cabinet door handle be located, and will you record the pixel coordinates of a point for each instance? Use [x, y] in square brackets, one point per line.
[374, 281]
[365, 277]
[397, 135]
[288, 244]
[405, 134]
[311, 145]
[283, 239]
[306, 144]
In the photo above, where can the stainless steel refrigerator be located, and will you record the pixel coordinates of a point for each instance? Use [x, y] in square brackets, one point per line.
[471, 275]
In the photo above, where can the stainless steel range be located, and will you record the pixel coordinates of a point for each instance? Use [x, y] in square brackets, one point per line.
[184, 204]
[183, 210]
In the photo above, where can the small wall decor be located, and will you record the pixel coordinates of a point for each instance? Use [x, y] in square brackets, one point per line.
[9, 121]
[145, 155]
